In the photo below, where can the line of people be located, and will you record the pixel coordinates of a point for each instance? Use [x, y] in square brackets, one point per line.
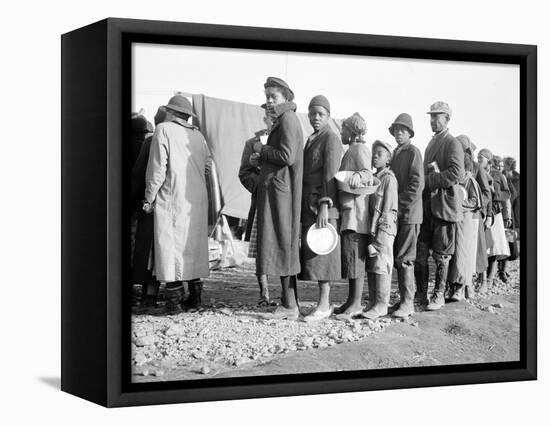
[443, 204]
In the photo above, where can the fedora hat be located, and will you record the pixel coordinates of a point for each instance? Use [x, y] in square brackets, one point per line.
[181, 104]
[404, 120]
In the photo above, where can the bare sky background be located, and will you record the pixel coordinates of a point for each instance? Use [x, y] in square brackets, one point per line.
[484, 97]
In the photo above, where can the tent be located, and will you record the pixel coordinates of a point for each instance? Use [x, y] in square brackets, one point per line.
[226, 126]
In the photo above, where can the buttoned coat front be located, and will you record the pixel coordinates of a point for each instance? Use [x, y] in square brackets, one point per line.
[279, 196]
[175, 182]
[442, 193]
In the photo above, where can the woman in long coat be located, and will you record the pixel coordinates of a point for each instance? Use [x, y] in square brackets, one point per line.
[279, 195]
[176, 186]
[462, 265]
[322, 156]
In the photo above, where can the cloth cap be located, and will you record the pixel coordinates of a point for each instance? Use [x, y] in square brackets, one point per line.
[466, 143]
[319, 100]
[278, 82]
[181, 104]
[440, 107]
[405, 120]
[383, 144]
[486, 153]
[356, 124]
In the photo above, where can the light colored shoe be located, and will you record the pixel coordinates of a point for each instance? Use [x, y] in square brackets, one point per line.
[317, 315]
[282, 313]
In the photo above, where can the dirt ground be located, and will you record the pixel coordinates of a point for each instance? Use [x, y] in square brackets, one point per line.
[232, 337]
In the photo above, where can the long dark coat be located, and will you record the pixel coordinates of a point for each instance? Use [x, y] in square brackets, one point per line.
[279, 195]
[409, 171]
[322, 157]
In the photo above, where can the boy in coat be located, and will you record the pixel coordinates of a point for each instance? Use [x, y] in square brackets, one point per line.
[383, 213]
[409, 172]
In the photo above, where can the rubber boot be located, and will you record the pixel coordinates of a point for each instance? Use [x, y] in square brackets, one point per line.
[174, 296]
[502, 270]
[150, 295]
[382, 297]
[405, 276]
[421, 274]
[438, 296]
[194, 300]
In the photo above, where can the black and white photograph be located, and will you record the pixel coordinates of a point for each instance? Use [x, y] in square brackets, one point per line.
[299, 212]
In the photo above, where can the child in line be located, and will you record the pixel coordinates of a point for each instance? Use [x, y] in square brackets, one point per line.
[322, 157]
[354, 214]
[383, 213]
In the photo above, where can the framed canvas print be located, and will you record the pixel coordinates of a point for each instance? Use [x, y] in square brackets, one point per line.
[254, 212]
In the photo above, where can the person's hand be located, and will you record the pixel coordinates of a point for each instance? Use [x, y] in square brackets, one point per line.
[322, 216]
[507, 223]
[148, 207]
[254, 160]
[258, 147]
[355, 181]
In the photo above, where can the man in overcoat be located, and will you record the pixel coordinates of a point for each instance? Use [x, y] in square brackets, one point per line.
[442, 201]
[409, 171]
[175, 190]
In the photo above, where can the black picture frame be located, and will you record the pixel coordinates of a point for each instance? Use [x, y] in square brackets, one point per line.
[95, 99]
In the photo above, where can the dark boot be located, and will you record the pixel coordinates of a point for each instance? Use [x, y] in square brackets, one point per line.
[458, 293]
[194, 300]
[149, 296]
[442, 268]
[382, 297]
[405, 276]
[174, 295]
[421, 274]
[502, 270]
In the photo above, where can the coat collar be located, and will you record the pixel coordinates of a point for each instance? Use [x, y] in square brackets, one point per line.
[280, 109]
[315, 136]
[183, 123]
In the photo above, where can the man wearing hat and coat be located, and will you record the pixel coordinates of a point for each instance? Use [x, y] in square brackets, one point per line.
[442, 201]
[409, 171]
[176, 192]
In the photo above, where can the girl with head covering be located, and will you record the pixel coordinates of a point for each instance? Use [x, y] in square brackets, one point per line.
[354, 214]
[322, 156]
[462, 265]
[279, 195]
[498, 249]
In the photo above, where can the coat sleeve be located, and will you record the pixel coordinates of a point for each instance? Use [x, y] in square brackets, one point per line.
[331, 165]
[454, 172]
[156, 165]
[285, 154]
[139, 168]
[363, 163]
[485, 188]
[388, 212]
[415, 182]
[502, 192]
[248, 175]
[472, 201]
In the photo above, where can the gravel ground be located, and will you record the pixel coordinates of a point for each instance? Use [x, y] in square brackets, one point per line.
[231, 333]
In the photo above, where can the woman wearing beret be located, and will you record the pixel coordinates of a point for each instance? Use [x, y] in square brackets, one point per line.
[322, 156]
[279, 195]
